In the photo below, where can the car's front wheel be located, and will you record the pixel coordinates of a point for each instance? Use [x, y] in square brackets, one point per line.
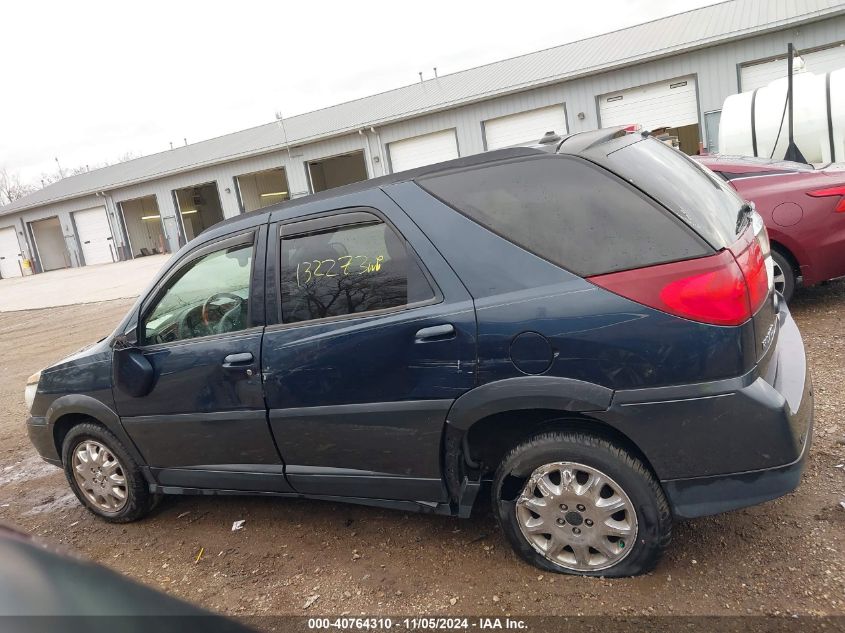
[104, 476]
[576, 503]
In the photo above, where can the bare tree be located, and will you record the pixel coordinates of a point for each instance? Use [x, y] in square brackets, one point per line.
[127, 156]
[11, 187]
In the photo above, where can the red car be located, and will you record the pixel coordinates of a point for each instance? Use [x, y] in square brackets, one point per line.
[804, 210]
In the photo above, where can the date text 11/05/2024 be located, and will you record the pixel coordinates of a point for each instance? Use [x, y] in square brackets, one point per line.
[417, 623]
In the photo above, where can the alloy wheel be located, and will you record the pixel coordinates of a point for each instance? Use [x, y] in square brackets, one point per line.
[576, 516]
[779, 278]
[100, 476]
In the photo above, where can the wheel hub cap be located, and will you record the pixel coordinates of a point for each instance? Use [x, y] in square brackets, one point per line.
[573, 518]
[100, 476]
[576, 516]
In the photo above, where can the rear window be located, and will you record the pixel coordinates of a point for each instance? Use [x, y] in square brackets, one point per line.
[690, 190]
[570, 212]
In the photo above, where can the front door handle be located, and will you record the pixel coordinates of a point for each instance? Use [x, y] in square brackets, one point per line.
[435, 332]
[236, 360]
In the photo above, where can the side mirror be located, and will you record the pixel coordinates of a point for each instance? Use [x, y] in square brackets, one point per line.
[132, 372]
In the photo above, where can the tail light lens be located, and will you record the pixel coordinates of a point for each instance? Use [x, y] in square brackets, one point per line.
[723, 289]
[830, 192]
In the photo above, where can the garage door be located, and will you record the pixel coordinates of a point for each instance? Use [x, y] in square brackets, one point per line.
[92, 229]
[671, 103]
[10, 252]
[819, 62]
[524, 128]
[423, 150]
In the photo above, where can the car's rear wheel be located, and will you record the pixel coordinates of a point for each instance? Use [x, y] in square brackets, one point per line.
[576, 503]
[784, 275]
[103, 475]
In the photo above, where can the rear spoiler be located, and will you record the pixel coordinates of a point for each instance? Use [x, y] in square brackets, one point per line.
[582, 141]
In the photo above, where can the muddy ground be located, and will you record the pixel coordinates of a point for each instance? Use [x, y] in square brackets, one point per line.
[784, 557]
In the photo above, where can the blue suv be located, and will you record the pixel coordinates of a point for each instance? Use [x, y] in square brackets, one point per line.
[585, 330]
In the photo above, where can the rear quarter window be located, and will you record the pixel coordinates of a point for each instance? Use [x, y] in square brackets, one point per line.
[569, 211]
[690, 190]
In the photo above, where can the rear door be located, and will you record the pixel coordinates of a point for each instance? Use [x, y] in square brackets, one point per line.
[373, 339]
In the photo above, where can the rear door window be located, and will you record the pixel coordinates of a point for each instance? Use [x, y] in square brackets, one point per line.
[348, 269]
[570, 212]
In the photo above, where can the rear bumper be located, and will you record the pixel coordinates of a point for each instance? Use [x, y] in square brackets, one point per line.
[726, 444]
[702, 496]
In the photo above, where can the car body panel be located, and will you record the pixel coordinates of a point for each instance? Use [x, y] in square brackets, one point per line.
[595, 336]
[347, 396]
[217, 410]
[807, 227]
[357, 408]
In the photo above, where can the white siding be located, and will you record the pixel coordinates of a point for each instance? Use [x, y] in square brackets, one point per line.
[670, 103]
[94, 235]
[524, 127]
[423, 150]
[10, 252]
[818, 62]
[715, 69]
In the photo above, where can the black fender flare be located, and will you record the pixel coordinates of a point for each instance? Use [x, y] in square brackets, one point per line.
[527, 392]
[80, 404]
[566, 395]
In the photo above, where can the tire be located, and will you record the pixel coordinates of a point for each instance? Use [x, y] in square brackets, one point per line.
[137, 500]
[784, 275]
[644, 517]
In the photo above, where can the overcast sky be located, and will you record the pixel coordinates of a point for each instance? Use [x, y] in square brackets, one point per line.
[90, 81]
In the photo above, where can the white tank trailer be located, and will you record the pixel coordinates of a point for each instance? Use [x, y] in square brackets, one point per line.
[755, 123]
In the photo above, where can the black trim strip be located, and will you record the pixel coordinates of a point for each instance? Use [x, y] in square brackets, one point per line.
[754, 120]
[326, 223]
[361, 408]
[210, 416]
[829, 119]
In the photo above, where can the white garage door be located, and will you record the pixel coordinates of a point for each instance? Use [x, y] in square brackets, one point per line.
[819, 62]
[524, 128]
[10, 252]
[665, 104]
[423, 150]
[92, 229]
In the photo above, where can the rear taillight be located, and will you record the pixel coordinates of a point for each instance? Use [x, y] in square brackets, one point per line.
[723, 289]
[829, 193]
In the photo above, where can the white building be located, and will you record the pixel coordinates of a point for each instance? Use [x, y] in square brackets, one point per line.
[673, 72]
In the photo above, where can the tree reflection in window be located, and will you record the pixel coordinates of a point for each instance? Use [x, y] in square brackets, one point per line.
[348, 270]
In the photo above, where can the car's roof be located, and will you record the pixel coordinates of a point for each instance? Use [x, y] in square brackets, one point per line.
[261, 215]
[576, 143]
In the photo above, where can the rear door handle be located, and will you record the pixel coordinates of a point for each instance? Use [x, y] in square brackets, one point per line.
[435, 332]
[238, 360]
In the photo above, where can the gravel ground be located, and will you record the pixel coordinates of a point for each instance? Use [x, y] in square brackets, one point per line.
[780, 558]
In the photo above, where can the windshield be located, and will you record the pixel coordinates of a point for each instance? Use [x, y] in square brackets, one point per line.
[691, 191]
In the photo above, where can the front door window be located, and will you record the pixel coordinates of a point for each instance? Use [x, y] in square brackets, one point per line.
[210, 295]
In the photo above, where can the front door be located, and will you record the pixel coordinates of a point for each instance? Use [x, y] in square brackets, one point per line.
[371, 348]
[204, 423]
